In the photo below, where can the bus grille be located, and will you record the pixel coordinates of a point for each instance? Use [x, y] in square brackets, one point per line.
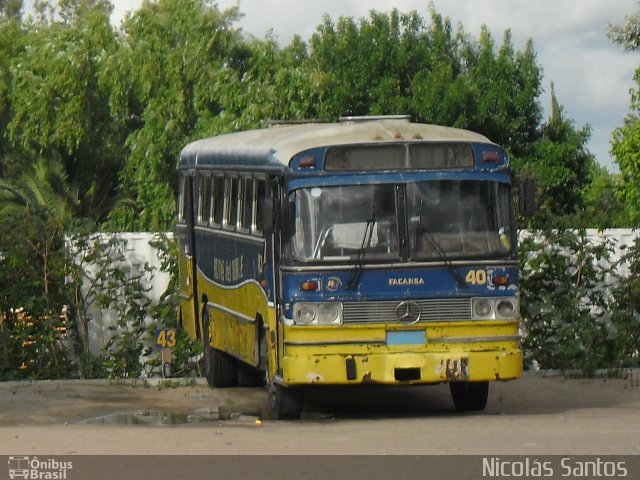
[433, 310]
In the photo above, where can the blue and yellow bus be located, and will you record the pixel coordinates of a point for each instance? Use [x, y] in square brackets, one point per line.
[369, 251]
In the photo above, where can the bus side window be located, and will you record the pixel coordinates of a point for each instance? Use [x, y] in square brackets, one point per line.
[204, 200]
[241, 201]
[217, 210]
[245, 204]
[258, 205]
[231, 203]
[182, 212]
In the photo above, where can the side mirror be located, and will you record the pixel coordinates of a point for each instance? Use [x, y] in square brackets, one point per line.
[527, 197]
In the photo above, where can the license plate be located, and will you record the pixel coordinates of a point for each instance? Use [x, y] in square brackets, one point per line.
[411, 337]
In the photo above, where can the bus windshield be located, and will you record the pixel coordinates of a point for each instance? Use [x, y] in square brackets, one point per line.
[444, 219]
[458, 219]
[333, 223]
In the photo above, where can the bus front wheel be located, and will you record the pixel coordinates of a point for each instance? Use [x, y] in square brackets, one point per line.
[219, 368]
[469, 396]
[284, 402]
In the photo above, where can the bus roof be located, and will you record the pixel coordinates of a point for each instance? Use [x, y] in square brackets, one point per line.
[275, 146]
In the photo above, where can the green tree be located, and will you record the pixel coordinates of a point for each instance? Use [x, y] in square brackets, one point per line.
[296, 94]
[440, 88]
[627, 34]
[625, 147]
[34, 212]
[43, 204]
[340, 73]
[505, 86]
[562, 167]
[366, 67]
[625, 144]
[11, 9]
[276, 84]
[399, 63]
[11, 44]
[601, 206]
[58, 100]
[175, 80]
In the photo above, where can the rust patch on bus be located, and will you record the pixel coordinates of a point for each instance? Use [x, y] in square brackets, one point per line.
[456, 369]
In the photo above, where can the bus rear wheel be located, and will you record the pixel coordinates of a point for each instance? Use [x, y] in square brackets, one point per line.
[284, 402]
[248, 376]
[219, 368]
[469, 396]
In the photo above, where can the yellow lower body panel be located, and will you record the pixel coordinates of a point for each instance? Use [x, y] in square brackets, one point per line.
[402, 367]
[433, 353]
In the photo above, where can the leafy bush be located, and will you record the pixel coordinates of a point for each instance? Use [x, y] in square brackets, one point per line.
[107, 282]
[576, 302]
[625, 309]
[49, 316]
[187, 352]
[32, 290]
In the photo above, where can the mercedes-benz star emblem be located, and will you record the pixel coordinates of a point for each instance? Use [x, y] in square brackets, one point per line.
[407, 312]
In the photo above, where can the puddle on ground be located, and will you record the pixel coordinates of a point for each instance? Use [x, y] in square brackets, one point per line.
[200, 416]
[155, 417]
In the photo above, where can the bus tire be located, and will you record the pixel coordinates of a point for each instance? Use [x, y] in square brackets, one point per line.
[219, 368]
[248, 376]
[469, 396]
[284, 402]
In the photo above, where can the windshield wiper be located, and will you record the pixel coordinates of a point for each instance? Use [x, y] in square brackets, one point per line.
[354, 281]
[439, 250]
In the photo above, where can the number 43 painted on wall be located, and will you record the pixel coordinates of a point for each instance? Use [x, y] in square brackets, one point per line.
[165, 337]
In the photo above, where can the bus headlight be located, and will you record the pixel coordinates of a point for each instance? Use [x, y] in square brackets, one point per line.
[482, 308]
[506, 308]
[326, 313]
[329, 313]
[304, 313]
[502, 308]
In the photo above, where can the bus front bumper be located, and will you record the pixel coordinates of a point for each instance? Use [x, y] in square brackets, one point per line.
[402, 367]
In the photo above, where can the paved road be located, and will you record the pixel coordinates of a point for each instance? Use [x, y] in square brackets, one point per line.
[532, 416]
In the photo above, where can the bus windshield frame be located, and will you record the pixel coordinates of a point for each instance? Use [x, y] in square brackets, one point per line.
[422, 220]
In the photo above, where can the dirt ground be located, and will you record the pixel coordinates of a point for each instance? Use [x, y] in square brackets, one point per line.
[106, 401]
[535, 414]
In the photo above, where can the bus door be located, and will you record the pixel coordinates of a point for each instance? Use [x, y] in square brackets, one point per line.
[273, 223]
[188, 267]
